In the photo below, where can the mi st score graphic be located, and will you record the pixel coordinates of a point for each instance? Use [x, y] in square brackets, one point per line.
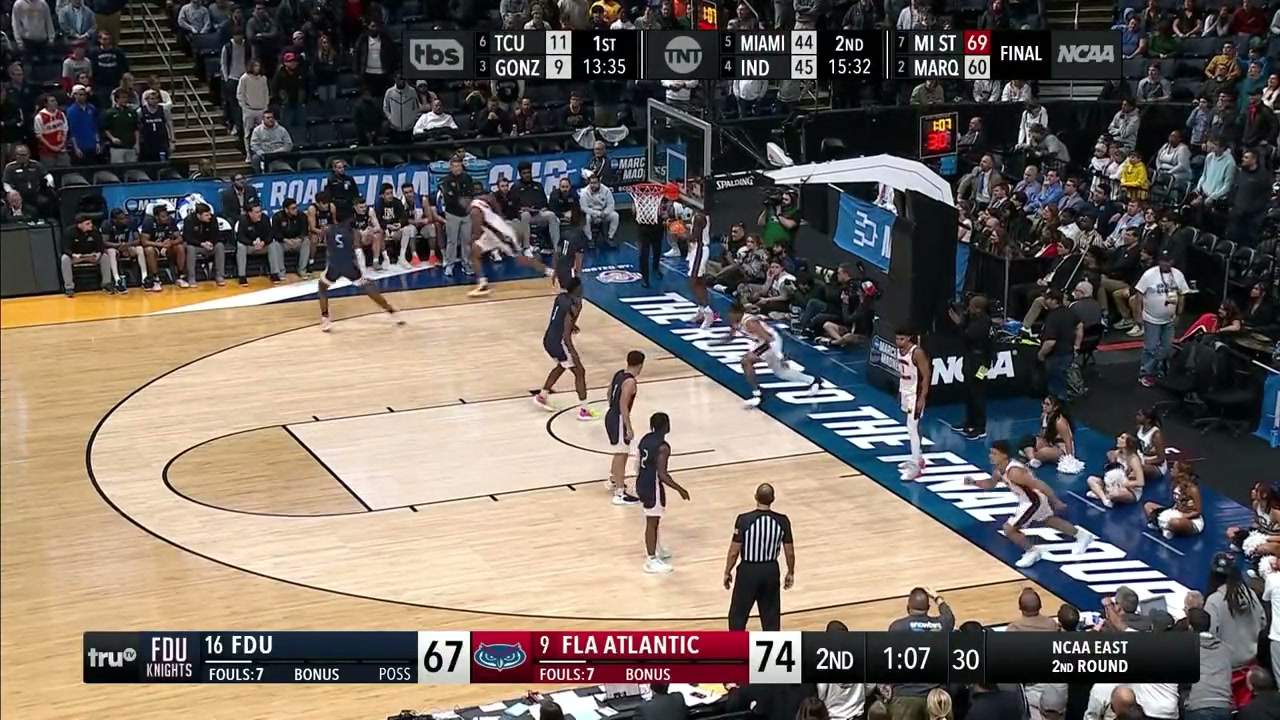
[594, 657]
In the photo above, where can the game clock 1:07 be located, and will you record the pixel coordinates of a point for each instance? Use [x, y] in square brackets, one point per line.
[919, 657]
[938, 135]
[616, 67]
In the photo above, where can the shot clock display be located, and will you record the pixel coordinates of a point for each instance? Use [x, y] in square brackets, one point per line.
[938, 135]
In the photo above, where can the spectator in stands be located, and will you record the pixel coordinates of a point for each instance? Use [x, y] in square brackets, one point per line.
[110, 64]
[1271, 92]
[1133, 39]
[979, 182]
[268, 138]
[253, 93]
[237, 197]
[1154, 87]
[1029, 186]
[1249, 201]
[744, 17]
[233, 61]
[1248, 19]
[400, 108]
[368, 117]
[50, 126]
[1210, 698]
[986, 91]
[663, 704]
[203, 241]
[1218, 24]
[928, 93]
[435, 119]
[1186, 23]
[492, 120]
[1265, 703]
[219, 14]
[1221, 86]
[254, 237]
[574, 115]
[298, 47]
[24, 175]
[1227, 60]
[1259, 126]
[526, 118]
[77, 22]
[194, 18]
[1017, 91]
[33, 28]
[83, 130]
[1072, 200]
[1174, 158]
[597, 202]
[15, 210]
[1049, 195]
[1133, 177]
[1218, 178]
[264, 37]
[1251, 84]
[74, 64]
[291, 89]
[1163, 42]
[120, 129]
[324, 69]
[1275, 30]
[1033, 114]
[155, 129]
[1198, 123]
[1046, 147]
[375, 57]
[1123, 128]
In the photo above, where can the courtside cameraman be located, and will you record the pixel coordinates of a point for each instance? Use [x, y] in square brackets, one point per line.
[780, 218]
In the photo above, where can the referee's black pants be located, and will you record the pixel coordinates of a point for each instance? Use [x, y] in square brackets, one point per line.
[649, 243]
[757, 584]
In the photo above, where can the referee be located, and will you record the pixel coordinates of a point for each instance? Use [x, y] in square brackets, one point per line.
[757, 537]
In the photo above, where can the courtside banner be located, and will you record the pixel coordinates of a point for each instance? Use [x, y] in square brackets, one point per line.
[627, 166]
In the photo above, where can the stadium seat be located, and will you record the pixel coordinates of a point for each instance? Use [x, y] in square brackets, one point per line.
[364, 160]
[421, 156]
[320, 135]
[344, 134]
[391, 159]
[309, 164]
[73, 179]
[105, 177]
[523, 147]
[279, 166]
[550, 147]
[328, 162]
[168, 173]
[136, 175]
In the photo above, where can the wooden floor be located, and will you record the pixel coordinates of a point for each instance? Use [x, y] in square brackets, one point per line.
[250, 472]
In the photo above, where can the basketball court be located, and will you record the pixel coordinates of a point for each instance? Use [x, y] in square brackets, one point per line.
[238, 469]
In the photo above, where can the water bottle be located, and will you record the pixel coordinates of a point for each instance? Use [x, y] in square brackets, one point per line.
[164, 156]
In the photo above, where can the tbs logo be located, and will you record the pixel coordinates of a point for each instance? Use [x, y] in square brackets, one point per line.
[435, 54]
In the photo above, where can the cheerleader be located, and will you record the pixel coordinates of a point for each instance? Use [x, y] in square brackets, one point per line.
[1151, 442]
[1056, 437]
[1184, 518]
[1261, 542]
[1123, 478]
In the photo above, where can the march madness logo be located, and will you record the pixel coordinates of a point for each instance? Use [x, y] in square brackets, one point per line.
[500, 657]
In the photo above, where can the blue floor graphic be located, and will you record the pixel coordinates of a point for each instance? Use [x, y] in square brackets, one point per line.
[861, 426]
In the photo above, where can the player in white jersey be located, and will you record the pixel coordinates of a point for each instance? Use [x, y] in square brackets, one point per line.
[696, 236]
[490, 232]
[1036, 506]
[913, 390]
[768, 349]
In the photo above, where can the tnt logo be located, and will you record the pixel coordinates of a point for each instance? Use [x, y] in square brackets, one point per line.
[435, 54]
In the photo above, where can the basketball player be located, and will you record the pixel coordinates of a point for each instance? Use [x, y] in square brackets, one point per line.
[340, 252]
[558, 342]
[491, 233]
[617, 424]
[320, 215]
[699, 253]
[913, 390]
[768, 349]
[396, 228]
[1036, 506]
[368, 235]
[652, 481]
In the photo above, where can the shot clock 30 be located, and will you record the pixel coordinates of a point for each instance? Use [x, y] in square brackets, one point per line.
[938, 135]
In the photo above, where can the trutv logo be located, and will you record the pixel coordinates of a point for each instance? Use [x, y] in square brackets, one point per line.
[111, 657]
[1086, 55]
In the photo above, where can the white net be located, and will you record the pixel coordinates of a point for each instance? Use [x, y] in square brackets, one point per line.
[646, 199]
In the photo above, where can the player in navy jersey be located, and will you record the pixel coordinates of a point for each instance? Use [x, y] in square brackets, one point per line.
[320, 215]
[558, 342]
[568, 252]
[121, 243]
[617, 423]
[340, 251]
[368, 234]
[652, 481]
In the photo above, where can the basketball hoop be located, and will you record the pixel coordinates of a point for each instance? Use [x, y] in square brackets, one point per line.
[646, 200]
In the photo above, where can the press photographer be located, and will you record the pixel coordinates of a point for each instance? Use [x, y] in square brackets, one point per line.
[780, 218]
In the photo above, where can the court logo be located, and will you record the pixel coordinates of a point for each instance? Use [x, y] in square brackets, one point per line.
[618, 277]
[499, 657]
[683, 55]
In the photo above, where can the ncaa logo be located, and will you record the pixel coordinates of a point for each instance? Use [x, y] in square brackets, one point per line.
[500, 657]
[683, 54]
[618, 277]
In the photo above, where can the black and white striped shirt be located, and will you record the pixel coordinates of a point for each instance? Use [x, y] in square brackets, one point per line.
[762, 534]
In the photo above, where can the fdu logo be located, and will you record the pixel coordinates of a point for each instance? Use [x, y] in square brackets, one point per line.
[503, 656]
